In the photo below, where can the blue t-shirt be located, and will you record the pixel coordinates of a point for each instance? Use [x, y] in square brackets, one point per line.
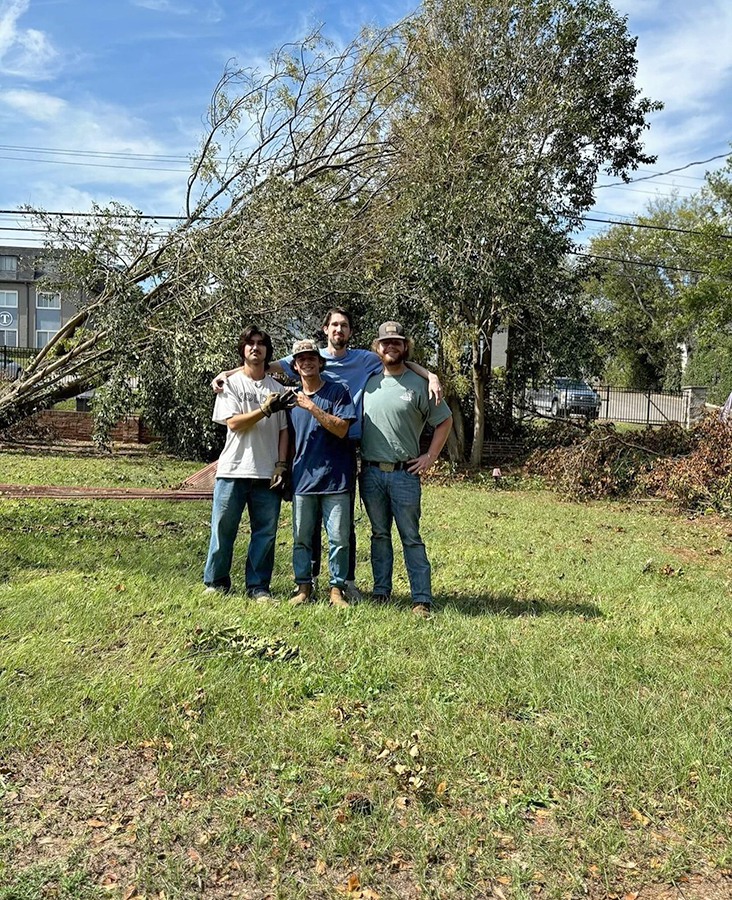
[354, 368]
[322, 462]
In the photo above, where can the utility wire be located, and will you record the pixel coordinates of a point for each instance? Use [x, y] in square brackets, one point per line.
[104, 154]
[594, 219]
[699, 162]
[650, 265]
[671, 228]
[66, 162]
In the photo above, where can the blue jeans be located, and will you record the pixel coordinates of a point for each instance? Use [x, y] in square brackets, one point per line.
[336, 513]
[230, 497]
[396, 496]
[353, 448]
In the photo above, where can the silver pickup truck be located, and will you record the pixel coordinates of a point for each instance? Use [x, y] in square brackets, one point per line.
[564, 397]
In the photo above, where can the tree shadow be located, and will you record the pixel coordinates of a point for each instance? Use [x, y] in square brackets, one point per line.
[505, 604]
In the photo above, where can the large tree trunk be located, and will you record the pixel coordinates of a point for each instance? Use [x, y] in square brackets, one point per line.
[456, 438]
[481, 351]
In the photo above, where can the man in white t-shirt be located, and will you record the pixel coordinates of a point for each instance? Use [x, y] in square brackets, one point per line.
[251, 467]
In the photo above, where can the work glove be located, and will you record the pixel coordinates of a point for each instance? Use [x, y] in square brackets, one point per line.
[278, 475]
[275, 402]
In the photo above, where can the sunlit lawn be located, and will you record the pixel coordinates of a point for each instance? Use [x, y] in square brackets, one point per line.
[561, 725]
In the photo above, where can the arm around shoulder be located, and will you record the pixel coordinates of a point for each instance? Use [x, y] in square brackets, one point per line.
[433, 382]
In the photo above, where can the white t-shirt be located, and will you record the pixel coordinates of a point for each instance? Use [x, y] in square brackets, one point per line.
[251, 453]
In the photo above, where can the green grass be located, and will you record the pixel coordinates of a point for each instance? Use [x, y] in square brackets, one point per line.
[562, 724]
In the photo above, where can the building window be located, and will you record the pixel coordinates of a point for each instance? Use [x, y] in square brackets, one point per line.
[43, 337]
[48, 316]
[8, 263]
[8, 318]
[8, 299]
[48, 300]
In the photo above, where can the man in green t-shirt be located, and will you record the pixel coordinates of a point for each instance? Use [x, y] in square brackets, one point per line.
[396, 409]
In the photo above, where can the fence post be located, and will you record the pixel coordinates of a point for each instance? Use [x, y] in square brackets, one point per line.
[648, 407]
[695, 397]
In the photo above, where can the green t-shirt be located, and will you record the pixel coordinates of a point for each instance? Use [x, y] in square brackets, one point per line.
[395, 410]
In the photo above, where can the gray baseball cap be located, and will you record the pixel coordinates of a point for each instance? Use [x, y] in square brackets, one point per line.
[391, 330]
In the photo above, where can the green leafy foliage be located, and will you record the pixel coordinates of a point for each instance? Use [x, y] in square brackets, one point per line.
[711, 365]
[231, 639]
[666, 284]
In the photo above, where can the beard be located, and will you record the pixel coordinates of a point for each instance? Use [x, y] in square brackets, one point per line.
[338, 341]
[394, 356]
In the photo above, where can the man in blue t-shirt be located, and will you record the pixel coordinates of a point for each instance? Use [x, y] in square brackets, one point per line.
[322, 471]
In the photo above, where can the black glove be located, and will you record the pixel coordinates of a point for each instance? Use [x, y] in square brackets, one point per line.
[275, 402]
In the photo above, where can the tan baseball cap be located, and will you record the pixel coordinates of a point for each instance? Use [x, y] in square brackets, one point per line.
[305, 346]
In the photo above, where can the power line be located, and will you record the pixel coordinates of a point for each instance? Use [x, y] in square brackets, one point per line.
[650, 265]
[104, 154]
[583, 218]
[671, 228]
[67, 162]
[699, 162]
[87, 215]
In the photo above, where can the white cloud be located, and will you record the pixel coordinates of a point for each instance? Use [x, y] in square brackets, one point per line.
[69, 180]
[24, 52]
[209, 10]
[34, 104]
[685, 57]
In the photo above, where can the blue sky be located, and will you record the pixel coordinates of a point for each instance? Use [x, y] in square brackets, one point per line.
[124, 83]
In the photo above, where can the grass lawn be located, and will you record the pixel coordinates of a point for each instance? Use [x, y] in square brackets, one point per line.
[560, 728]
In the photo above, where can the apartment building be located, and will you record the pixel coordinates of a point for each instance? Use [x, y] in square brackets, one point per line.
[31, 312]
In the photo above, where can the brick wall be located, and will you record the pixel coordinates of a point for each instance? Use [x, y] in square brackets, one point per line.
[77, 426]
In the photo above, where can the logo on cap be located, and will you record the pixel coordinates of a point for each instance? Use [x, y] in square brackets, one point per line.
[391, 329]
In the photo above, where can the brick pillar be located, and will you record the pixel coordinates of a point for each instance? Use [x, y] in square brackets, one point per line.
[695, 398]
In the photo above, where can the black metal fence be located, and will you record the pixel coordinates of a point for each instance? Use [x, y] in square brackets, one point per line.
[20, 355]
[13, 360]
[606, 402]
[642, 407]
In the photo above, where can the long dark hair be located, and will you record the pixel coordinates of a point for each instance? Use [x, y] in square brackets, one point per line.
[246, 336]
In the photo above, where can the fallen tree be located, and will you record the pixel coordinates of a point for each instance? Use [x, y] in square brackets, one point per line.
[288, 164]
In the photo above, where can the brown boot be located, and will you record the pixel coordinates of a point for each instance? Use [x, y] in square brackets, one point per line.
[421, 609]
[302, 594]
[336, 598]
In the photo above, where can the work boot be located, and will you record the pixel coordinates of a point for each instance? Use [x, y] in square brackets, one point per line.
[352, 592]
[336, 598]
[421, 609]
[302, 594]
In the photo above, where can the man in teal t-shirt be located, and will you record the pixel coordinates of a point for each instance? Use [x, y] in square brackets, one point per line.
[396, 409]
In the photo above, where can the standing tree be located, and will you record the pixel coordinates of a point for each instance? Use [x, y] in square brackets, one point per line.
[665, 286]
[514, 107]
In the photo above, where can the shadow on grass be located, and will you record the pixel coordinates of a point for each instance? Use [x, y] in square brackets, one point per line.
[504, 604]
